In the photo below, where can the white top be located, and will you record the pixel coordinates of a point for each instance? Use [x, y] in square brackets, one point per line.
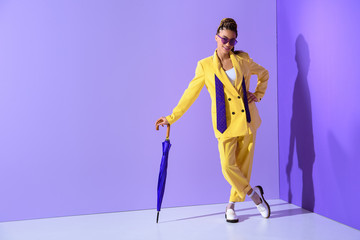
[231, 75]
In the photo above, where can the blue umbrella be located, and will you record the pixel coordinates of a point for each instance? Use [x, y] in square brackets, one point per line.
[163, 171]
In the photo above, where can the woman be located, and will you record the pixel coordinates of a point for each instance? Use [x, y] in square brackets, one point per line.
[234, 114]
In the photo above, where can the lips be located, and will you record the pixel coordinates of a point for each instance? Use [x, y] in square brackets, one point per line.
[227, 49]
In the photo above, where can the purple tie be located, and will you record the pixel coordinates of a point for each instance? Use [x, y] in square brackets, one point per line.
[248, 118]
[220, 105]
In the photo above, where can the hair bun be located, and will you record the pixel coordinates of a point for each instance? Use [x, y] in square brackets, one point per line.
[227, 20]
[227, 23]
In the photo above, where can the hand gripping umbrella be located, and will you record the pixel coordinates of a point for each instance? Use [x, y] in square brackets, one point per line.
[163, 170]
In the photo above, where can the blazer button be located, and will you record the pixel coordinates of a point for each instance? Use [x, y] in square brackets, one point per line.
[229, 99]
[233, 113]
[238, 97]
[242, 110]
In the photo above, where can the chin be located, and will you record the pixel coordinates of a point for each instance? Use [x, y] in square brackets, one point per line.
[226, 50]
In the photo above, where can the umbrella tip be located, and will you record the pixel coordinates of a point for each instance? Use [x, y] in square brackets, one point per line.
[157, 217]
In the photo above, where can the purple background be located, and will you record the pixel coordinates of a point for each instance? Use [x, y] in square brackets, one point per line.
[319, 117]
[82, 84]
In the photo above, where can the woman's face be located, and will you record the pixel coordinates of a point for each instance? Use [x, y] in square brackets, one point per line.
[224, 48]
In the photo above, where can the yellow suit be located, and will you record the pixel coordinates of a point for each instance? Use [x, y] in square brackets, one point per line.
[235, 116]
[236, 143]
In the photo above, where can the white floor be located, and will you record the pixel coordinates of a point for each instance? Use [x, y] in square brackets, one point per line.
[186, 223]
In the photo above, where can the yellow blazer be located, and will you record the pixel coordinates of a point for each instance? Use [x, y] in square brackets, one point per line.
[235, 110]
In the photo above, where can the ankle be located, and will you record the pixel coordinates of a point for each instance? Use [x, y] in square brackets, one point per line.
[231, 205]
[251, 193]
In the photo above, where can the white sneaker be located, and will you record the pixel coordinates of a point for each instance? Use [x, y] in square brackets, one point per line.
[230, 216]
[263, 207]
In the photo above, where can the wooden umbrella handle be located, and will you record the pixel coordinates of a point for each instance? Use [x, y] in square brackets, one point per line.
[167, 130]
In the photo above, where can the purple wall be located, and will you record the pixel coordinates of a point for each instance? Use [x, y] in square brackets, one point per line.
[319, 118]
[82, 83]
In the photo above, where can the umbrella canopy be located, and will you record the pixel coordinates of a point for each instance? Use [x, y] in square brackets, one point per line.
[163, 171]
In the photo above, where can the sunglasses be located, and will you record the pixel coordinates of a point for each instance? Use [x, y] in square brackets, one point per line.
[226, 40]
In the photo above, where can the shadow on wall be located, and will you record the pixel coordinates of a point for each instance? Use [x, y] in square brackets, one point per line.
[301, 132]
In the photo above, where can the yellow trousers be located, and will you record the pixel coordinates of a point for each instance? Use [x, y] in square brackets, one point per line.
[236, 155]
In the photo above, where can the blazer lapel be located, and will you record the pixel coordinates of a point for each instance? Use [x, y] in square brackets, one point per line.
[220, 73]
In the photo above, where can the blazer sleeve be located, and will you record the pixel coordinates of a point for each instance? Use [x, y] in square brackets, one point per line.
[263, 77]
[190, 94]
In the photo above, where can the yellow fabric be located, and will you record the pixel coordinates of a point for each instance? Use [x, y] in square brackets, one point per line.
[236, 144]
[205, 75]
[236, 155]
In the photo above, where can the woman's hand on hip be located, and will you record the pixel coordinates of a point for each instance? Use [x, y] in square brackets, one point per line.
[251, 97]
